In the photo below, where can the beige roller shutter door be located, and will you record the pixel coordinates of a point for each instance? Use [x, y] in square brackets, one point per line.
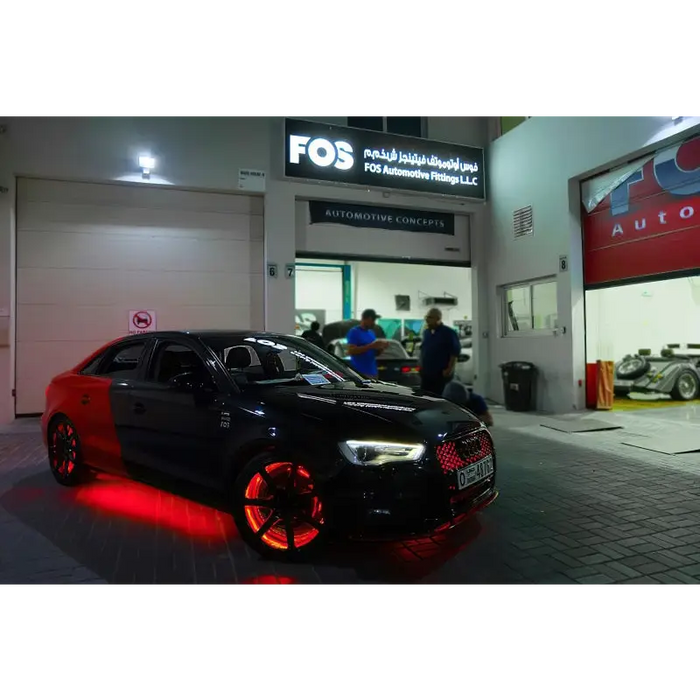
[88, 254]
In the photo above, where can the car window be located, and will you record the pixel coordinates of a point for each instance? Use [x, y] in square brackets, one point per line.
[92, 367]
[279, 360]
[171, 360]
[124, 362]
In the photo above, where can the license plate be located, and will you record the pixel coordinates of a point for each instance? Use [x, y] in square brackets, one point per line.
[468, 476]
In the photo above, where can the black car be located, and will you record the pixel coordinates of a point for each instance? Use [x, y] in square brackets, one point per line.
[301, 445]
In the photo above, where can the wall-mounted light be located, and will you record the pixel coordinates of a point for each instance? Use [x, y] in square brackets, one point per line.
[147, 164]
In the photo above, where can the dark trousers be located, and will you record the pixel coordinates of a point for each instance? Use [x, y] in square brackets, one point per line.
[433, 384]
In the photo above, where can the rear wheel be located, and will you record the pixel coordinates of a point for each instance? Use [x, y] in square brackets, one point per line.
[687, 386]
[65, 457]
[277, 508]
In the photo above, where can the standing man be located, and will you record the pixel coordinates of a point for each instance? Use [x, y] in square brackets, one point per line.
[439, 353]
[363, 346]
[313, 335]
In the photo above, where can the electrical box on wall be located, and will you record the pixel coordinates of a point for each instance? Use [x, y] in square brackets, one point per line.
[403, 302]
[441, 301]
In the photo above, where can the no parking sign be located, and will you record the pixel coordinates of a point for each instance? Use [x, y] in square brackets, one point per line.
[142, 321]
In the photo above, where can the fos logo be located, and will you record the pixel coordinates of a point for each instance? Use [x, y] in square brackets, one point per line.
[321, 152]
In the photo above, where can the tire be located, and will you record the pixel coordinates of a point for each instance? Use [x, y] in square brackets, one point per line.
[65, 454]
[632, 368]
[292, 525]
[687, 386]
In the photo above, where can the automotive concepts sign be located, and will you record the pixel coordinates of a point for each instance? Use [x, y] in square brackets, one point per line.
[648, 224]
[389, 218]
[375, 159]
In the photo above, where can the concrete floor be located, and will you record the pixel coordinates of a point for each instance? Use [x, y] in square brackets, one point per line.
[574, 508]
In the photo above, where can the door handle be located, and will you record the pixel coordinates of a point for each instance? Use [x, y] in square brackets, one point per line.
[139, 408]
[85, 399]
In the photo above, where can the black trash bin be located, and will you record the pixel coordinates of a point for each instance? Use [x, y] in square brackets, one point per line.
[519, 384]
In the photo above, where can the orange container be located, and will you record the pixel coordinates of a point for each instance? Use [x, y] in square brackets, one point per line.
[591, 385]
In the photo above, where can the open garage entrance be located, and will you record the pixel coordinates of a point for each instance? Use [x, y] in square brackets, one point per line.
[96, 262]
[642, 274]
[399, 262]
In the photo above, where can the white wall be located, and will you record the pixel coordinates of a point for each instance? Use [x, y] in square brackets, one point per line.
[192, 153]
[320, 288]
[540, 164]
[621, 320]
[376, 284]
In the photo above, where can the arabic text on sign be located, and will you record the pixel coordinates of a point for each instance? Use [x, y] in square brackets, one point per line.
[418, 160]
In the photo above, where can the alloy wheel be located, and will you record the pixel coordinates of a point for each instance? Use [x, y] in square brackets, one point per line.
[282, 507]
[687, 386]
[63, 449]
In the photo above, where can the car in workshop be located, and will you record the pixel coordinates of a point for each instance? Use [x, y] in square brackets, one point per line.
[302, 448]
[394, 365]
[671, 372]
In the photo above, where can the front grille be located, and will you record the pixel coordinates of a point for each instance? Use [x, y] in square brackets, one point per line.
[464, 450]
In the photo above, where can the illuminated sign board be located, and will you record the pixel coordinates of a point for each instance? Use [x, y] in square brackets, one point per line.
[376, 159]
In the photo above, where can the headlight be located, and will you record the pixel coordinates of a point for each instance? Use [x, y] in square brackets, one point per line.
[377, 453]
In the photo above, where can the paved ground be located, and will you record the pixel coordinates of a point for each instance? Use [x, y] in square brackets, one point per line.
[573, 509]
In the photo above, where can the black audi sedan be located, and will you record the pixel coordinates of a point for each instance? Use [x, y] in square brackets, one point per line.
[302, 447]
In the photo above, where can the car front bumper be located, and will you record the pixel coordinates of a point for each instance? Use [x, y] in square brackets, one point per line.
[403, 500]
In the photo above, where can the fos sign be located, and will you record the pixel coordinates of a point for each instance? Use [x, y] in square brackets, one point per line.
[321, 152]
[375, 159]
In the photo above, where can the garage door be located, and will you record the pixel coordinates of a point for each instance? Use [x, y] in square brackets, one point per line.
[89, 254]
[643, 220]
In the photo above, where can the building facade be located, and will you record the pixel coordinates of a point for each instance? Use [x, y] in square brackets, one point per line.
[88, 238]
[540, 165]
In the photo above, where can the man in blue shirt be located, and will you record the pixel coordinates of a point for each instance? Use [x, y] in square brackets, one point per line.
[363, 346]
[440, 349]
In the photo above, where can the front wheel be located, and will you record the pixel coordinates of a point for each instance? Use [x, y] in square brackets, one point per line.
[65, 456]
[277, 508]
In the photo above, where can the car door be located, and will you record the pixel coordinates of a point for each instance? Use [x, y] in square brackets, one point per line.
[179, 415]
[105, 399]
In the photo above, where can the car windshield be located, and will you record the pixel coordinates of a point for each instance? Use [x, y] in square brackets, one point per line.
[272, 360]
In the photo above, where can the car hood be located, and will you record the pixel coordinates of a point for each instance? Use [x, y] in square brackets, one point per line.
[384, 409]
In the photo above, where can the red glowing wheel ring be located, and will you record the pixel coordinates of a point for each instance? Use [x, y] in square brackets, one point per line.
[282, 511]
[64, 451]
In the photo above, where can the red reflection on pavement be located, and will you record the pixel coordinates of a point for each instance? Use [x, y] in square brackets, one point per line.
[149, 505]
[270, 578]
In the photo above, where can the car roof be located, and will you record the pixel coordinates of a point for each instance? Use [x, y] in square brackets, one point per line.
[202, 334]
